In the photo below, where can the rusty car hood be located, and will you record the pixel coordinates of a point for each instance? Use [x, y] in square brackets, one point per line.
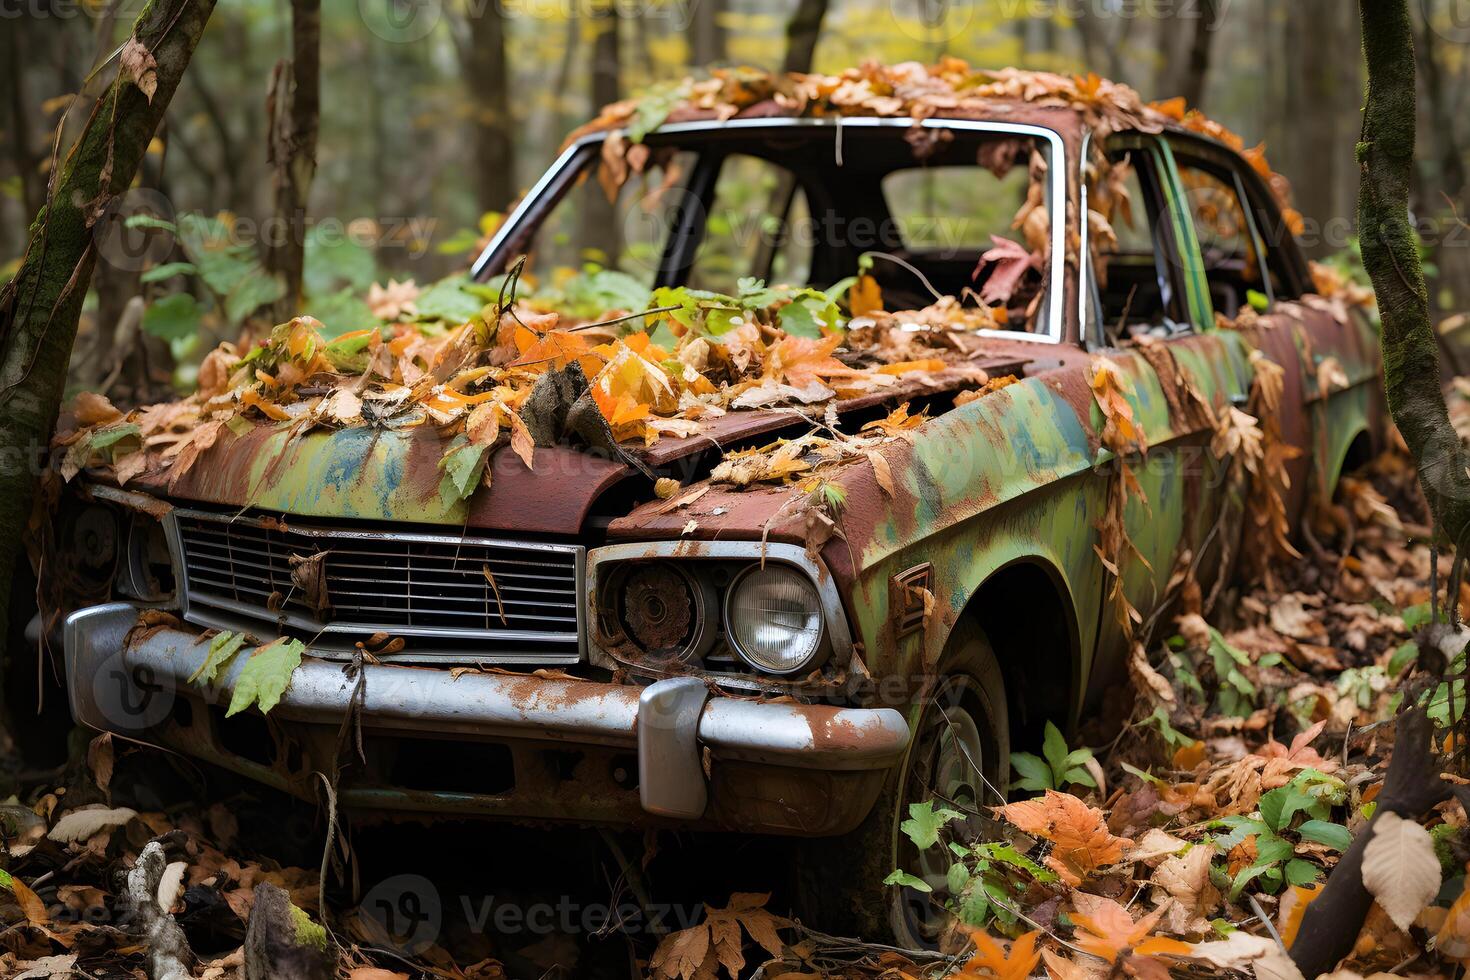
[388, 476]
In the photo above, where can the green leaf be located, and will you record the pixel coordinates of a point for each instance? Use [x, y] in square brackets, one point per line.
[1006, 853]
[333, 261]
[1333, 835]
[447, 300]
[343, 312]
[1244, 877]
[1147, 777]
[149, 221]
[167, 271]
[172, 317]
[653, 108]
[1054, 747]
[595, 291]
[461, 466]
[1259, 301]
[1240, 829]
[907, 880]
[1280, 805]
[113, 434]
[1077, 776]
[253, 291]
[221, 650]
[1299, 872]
[957, 878]
[266, 676]
[925, 822]
[1036, 775]
[5, 879]
[975, 907]
[1271, 849]
[1415, 616]
[1402, 658]
[462, 241]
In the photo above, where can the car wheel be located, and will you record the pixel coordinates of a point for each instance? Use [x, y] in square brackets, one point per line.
[958, 757]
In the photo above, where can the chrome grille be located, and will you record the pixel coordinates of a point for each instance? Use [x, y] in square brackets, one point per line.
[432, 590]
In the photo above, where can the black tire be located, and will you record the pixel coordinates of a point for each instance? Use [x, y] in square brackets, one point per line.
[840, 880]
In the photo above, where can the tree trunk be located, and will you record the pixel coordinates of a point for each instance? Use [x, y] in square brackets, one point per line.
[1319, 118]
[40, 306]
[599, 218]
[487, 84]
[294, 110]
[705, 33]
[1448, 183]
[1197, 68]
[802, 33]
[23, 157]
[1391, 256]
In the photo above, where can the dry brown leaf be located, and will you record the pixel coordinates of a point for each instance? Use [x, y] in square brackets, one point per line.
[1400, 869]
[703, 950]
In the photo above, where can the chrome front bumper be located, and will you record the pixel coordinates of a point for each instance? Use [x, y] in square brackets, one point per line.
[130, 682]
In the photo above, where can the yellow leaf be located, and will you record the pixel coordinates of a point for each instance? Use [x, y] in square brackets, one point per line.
[521, 442]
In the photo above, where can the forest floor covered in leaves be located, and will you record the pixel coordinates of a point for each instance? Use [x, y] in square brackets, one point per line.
[1219, 790]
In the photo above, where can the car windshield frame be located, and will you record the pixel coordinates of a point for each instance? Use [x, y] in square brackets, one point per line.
[524, 220]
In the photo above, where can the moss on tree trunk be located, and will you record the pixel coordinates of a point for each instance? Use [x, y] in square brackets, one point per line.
[39, 308]
[1391, 256]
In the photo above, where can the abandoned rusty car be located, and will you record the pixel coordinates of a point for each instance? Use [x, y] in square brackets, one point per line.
[786, 656]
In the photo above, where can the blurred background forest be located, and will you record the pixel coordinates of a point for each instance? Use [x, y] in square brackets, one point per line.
[436, 114]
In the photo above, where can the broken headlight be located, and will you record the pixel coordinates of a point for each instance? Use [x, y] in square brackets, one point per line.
[773, 617]
[715, 606]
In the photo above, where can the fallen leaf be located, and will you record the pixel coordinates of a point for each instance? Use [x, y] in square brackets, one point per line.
[137, 65]
[78, 825]
[1400, 869]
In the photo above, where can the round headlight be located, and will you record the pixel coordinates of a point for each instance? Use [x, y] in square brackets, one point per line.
[774, 619]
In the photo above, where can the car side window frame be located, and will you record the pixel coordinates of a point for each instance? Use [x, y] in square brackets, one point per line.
[1154, 178]
[1270, 233]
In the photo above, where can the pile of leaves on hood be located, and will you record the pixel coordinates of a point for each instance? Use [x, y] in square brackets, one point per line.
[702, 355]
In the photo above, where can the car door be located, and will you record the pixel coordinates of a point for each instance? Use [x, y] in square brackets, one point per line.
[1332, 404]
[1149, 313]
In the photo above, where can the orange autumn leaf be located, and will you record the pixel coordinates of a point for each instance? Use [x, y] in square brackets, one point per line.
[866, 296]
[1173, 108]
[250, 397]
[94, 409]
[1294, 902]
[904, 367]
[801, 360]
[1189, 756]
[1058, 967]
[897, 421]
[1453, 938]
[553, 349]
[1121, 432]
[1081, 841]
[992, 961]
[1109, 932]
